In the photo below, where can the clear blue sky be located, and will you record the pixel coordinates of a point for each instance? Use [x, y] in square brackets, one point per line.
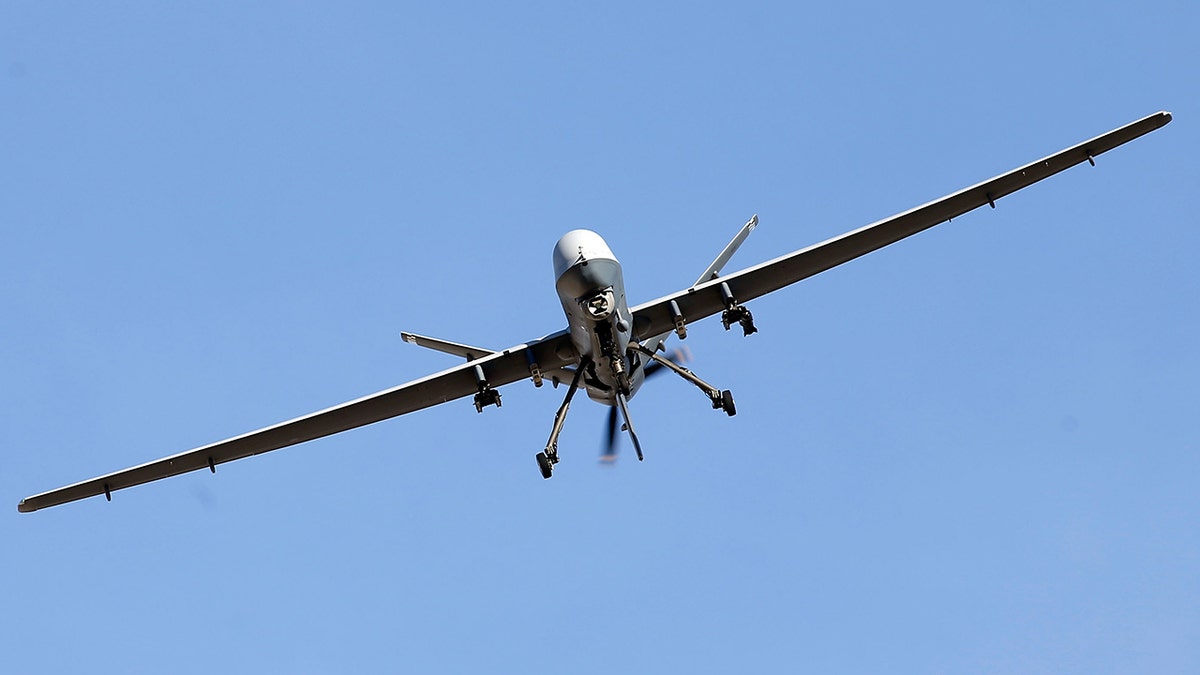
[974, 451]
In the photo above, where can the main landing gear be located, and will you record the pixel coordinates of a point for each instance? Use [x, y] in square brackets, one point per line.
[549, 457]
[721, 400]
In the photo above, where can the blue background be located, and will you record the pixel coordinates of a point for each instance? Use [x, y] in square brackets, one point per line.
[974, 451]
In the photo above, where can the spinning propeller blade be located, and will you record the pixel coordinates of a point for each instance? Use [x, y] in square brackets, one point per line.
[609, 453]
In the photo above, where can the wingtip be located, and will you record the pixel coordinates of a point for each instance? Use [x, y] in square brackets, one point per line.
[1159, 119]
[23, 508]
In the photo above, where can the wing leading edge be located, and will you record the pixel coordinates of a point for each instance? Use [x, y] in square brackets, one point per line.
[706, 299]
[499, 368]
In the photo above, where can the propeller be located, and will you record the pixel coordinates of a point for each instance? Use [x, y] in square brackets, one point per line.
[609, 454]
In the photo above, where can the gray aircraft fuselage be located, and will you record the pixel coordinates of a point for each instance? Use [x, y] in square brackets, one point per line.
[592, 292]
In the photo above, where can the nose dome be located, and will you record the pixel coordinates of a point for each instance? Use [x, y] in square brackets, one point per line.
[579, 245]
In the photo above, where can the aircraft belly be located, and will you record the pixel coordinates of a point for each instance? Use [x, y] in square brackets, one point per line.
[608, 396]
[575, 285]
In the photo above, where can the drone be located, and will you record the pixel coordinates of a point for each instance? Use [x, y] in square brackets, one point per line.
[608, 347]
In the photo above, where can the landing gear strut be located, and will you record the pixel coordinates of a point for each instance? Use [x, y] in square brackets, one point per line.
[608, 349]
[624, 406]
[549, 457]
[721, 400]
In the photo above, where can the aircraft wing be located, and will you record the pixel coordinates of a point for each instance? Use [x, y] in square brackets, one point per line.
[499, 368]
[458, 349]
[657, 317]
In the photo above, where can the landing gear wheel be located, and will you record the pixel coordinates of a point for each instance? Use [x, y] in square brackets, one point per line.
[545, 465]
[727, 403]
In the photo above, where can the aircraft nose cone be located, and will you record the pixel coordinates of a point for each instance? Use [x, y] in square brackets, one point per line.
[579, 246]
